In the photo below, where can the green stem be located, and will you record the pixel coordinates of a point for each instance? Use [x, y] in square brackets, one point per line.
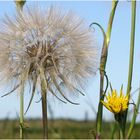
[44, 103]
[119, 118]
[121, 133]
[19, 6]
[44, 111]
[133, 19]
[113, 130]
[131, 47]
[22, 112]
[103, 61]
[134, 118]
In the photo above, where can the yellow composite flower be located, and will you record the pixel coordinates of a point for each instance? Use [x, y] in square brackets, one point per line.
[116, 104]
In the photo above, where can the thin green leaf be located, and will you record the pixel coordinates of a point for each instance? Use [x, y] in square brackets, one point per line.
[16, 87]
[101, 28]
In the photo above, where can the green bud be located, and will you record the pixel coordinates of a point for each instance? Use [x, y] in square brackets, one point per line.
[20, 3]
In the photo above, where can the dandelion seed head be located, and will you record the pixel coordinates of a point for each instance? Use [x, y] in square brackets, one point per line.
[58, 43]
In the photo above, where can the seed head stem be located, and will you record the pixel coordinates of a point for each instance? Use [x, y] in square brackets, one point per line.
[22, 112]
[19, 6]
[44, 104]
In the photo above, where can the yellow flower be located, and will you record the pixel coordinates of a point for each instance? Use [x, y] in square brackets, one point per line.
[116, 104]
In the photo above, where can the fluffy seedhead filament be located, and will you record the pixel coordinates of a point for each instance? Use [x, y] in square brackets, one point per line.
[49, 45]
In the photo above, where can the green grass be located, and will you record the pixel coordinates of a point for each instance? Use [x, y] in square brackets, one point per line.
[59, 129]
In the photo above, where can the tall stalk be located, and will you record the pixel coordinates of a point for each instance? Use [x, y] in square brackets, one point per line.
[44, 111]
[19, 6]
[22, 111]
[130, 130]
[131, 57]
[44, 103]
[103, 61]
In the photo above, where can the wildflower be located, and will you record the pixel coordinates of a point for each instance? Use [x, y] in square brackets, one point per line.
[116, 104]
[39, 45]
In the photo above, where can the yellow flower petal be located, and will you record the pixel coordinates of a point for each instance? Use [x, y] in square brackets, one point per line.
[106, 105]
[116, 103]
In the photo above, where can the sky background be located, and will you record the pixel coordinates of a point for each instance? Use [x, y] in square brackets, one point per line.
[117, 64]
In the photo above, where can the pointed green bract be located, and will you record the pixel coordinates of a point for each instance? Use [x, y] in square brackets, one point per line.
[103, 61]
[20, 4]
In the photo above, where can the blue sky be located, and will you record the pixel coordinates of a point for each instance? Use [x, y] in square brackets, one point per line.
[117, 65]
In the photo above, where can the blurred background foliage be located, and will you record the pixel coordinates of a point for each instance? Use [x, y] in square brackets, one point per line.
[60, 129]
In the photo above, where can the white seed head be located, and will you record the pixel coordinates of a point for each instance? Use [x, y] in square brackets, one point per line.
[58, 44]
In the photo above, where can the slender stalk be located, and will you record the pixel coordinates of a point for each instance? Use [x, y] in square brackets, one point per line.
[44, 103]
[131, 57]
[19, 6]
[44, 111]
[22, 111]
[121, 133]
[132, 41]
[134, 118]
[119, 118]
[103, 61]
[113, 130]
